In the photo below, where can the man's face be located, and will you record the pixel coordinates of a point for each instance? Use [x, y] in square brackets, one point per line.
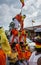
[32, 48]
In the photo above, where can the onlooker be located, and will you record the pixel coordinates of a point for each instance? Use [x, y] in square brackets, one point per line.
[36, 55]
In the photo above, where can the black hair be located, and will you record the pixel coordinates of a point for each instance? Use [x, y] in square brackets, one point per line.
[24, 15]
[0, 27]
[21, 42]
[13, 45]
[13, 18]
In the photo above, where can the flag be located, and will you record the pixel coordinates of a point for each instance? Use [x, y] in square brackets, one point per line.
[22, 1]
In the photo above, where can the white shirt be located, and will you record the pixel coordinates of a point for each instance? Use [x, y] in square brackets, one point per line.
[17, 24]
[34, 58]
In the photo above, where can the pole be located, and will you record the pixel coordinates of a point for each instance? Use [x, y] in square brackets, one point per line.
[32, 25]
[21, 10]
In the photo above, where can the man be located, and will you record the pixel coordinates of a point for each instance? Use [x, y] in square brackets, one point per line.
[36, 55]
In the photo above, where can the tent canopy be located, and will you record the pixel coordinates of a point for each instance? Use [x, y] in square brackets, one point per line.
[38, 30]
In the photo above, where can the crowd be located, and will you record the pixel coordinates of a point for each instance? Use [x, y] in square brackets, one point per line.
[18, 53]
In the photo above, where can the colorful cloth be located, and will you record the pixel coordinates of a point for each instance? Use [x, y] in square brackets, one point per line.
[22, 1]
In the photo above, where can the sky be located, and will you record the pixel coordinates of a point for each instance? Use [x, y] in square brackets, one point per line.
[9, 9]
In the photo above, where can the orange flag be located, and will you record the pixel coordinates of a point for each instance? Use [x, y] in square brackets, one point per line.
[22, 1]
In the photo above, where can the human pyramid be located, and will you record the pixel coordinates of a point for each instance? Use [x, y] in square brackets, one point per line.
[16, 49]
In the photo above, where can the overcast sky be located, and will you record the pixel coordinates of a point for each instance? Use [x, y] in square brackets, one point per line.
[9, 8]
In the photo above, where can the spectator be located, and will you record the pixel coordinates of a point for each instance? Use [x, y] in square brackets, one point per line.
[36, 55]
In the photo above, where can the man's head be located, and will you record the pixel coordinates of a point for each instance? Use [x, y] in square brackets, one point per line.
[24, 16]
[13, 45]
[21, 43]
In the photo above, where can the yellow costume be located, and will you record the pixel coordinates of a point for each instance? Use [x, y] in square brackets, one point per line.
[13, 57]
[4, 42]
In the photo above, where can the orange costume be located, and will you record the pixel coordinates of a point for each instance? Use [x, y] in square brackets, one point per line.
[2, 57]
[23, 36]
[15, 35]
[18, 47]
[23, 53]
[27, 55]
